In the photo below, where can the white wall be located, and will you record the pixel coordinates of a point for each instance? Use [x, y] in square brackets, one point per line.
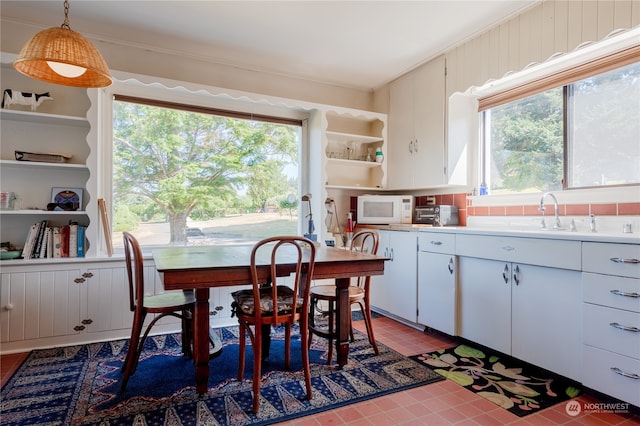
[134, 60]
[534, 36]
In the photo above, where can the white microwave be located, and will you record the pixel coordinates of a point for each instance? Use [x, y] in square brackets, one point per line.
[385, 209]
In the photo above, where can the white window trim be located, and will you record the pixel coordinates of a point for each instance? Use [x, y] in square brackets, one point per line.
[461, 113]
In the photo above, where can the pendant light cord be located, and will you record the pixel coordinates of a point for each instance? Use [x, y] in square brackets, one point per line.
[65, 24]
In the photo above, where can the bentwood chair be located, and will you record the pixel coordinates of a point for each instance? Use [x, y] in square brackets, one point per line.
[323, 299]
[177, 304]
[270, 304]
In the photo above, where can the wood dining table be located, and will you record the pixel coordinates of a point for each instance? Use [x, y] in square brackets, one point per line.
[203, 267]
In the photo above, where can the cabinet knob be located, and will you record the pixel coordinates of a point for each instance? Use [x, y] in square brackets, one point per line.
[87, 275]
[79, 280]
[505, 274]
[79, 327]
[625, 293]
[622, 260]
[516, 275]
[8, 307]
[216, 310]
[625, 374]
[87, 321]
[625, 327]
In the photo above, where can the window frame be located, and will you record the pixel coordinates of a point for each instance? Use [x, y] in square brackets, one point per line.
[567, 89]
[619, 48]
[197, 101]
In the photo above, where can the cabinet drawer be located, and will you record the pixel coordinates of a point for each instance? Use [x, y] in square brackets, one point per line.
[598, 374]
[609, 290]
[532, 251]
[613, 259]
[598, 330]
[436, 242]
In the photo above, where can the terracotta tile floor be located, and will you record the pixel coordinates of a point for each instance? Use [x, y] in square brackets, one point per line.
[442, 403]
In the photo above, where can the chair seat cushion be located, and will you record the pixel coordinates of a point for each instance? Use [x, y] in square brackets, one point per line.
[328, 292]
[175, 299]
[243, 302]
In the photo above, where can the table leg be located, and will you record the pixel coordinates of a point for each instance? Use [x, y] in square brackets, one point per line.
[343, 319]
[201, 340]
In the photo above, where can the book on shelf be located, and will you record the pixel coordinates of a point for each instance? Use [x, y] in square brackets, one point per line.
[45, 241]
[57, 242]
[81, 236]
[64, 249]
[37, 246]
[28, 244]
[73, 239]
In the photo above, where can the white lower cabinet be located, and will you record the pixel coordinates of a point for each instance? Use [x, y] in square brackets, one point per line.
[43, 305]
[394, 292]
[530, 311]
[437, 282]
[40, 303]
[611, 315]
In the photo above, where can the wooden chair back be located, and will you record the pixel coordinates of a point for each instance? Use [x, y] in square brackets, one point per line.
[365, 242]
[135, 271]
[285, 249]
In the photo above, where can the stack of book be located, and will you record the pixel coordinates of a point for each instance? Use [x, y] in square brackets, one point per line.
[44, 241]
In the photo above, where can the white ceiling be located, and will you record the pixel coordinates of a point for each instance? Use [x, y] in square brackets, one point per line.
[360, 44]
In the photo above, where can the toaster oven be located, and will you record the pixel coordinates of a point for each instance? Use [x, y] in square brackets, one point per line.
[437, 215]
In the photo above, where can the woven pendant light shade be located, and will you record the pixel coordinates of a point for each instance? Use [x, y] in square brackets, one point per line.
[65, 46]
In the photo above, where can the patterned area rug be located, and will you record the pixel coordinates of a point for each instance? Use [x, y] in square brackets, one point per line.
[78, 385]
[508, 382]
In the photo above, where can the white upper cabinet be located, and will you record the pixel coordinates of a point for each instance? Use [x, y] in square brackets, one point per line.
[416, 128]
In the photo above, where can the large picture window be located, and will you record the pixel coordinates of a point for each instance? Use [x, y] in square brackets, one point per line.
[185, 176]
[582, 134]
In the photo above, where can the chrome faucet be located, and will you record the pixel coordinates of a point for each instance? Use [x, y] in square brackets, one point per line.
[542, 208]
[592, 223]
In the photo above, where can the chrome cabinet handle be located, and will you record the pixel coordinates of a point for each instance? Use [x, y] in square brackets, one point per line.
[625, 327]
[516, 275]
[450, 265]
[625, 294]
[415, 146]
[625, 374]
[391, 254]
[508, 248]
[411, 147]
[505, 274]
[622, 260]
[436, 243]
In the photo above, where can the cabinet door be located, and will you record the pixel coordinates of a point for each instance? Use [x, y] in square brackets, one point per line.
[547, 316]
[437, 291]
[428, 162]
[108, 298]
[379, 289]
[401, 133]
[485, 302]
[395, 291]
[40, 304]
[403, 270]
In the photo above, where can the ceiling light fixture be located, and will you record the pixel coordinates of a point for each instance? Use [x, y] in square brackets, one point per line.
[63, 56]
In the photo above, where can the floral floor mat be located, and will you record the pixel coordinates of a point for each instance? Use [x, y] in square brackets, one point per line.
[514, 385]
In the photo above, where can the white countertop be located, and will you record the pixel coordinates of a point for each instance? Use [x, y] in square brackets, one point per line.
[609, 237]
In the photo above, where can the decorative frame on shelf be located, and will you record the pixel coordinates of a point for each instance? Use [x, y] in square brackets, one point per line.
[68, 199]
